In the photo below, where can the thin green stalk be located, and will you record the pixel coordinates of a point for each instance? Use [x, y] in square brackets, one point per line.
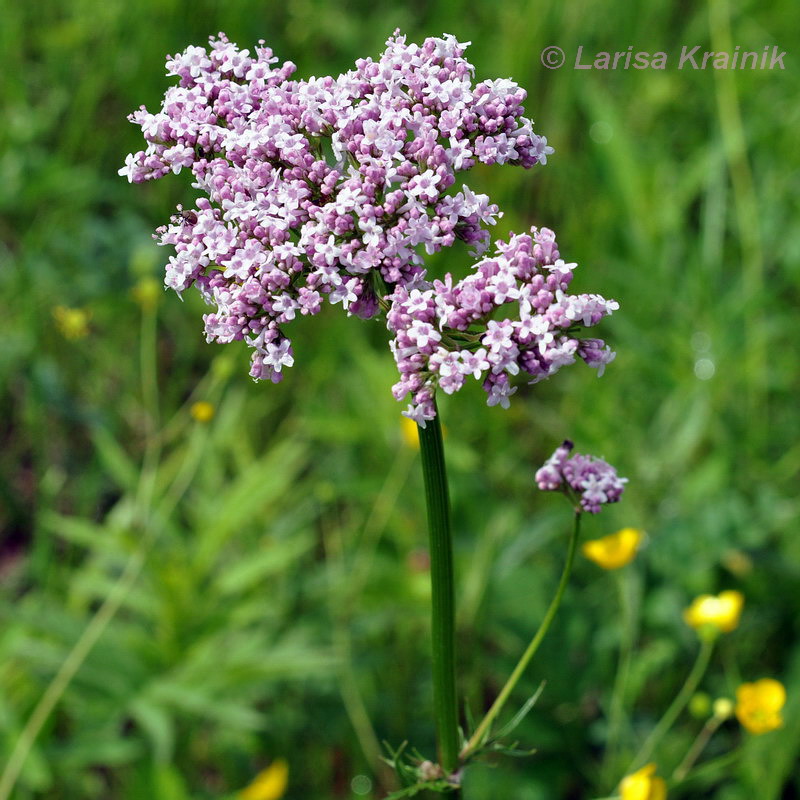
[442, 594]
[105, 613]
[748, 218]
[340, 601]
[119, 591]
[699, 744]
[357, 712]
[719, 764]
[617, 705]
[482, 731]
[678, 704]
[66, 672]
[375, 526]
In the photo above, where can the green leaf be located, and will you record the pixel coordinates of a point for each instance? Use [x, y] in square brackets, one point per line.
[115, 460]
[157, 725]
[168, 783]
[274, 559]
[246, 500]
[83, 532]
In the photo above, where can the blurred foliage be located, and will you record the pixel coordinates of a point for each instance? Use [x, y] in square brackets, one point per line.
[275, 553]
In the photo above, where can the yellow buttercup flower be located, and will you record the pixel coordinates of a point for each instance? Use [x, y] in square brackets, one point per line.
[759, 704]
[716, 613]
[269, 784]
[615, 550]
[202, 411]
[643, 785]
[73, 323]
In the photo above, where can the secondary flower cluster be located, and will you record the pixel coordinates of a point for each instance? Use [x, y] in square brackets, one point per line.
[593, 481]
[326, 188]
[447, 331]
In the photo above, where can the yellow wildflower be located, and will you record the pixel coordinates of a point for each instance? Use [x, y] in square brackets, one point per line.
[146, 293]
[408, 430]
[269, 784]
[615, 550]
[715, 613]
[643, 785]
[202, 411]
[759, 704]
[72, 322]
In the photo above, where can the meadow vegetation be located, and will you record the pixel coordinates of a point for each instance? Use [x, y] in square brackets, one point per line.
[248, 577]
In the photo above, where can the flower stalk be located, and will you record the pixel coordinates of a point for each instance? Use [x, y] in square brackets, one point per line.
[699, 744]
[442, 594]
[616, 715]
[678, 704]
[482, 731]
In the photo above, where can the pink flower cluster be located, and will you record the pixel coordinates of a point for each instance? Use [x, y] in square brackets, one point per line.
[593, 481]
[510, 316]
[326, 188]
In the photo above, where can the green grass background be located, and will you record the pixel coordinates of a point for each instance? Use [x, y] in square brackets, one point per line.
[278, 598]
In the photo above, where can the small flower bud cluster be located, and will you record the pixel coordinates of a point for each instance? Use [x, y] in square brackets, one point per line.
[510, 316]
[322, 189]
[591, 479]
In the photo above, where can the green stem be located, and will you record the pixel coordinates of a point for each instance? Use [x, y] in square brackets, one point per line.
[348, 685]
[66, 672]
[699, 744]
[678, 704]
[623, 581]
[748, 221]
[123, 585]
[482, 731]
[718, 764]
[442, 594]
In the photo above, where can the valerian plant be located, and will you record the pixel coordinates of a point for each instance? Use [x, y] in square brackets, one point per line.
[333, 189]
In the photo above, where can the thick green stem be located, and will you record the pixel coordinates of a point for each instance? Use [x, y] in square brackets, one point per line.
[442, 597]
[482, 731]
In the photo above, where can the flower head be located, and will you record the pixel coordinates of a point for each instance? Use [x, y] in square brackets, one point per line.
[759, 704]
[715, 613]
[334, 188]
[591, 480]
[269, 784]
[615, 550]
[443, 334]
[643, 785]
[326, 188]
